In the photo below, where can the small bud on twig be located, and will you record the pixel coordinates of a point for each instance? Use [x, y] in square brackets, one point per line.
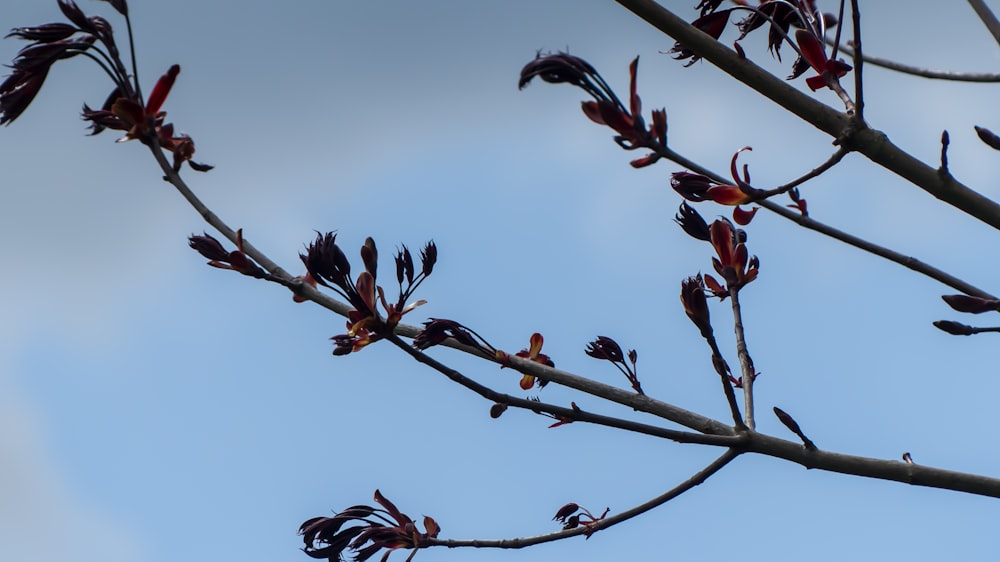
[794, 427]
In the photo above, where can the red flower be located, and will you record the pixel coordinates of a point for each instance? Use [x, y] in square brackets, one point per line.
[217, 255]
[385, 528]
[733, 262]
[142, 120]
[572, 515]
[813, 52]
[608, 349]
[712, 24]
[697, 187]
[696, 304]
[606, 108]
[533, 353]
[122, 110]
[327, 265]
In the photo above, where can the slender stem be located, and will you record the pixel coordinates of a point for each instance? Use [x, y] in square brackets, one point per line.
[837, 234]
[987, 17]
[974, 330]
[722, 369]
[840, 29]
[696, 479]
[131, 50]
[830, 162]
[858, 58]
[104, 67]
[930, 73]
[833, 83]
[881, 251]
[746, 364]
[573, 414]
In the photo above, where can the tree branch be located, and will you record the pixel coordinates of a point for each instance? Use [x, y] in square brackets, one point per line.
[837, 234]
[858, 58]
[914, 474]
[830, 162]
[930, 73]
[573, 414]
[746, 364]
[987, 17]
[601, 524]
[872, 143]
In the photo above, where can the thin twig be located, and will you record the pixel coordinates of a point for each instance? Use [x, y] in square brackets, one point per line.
[987, 17]
[722, 369]
[837, 234]
[746, 364]
[131, 48]
[573, 414]
[830, 162]
[896, 257]
[858, 57]
[601, 524]
[930, 73]
[832, 82]
[840, 29]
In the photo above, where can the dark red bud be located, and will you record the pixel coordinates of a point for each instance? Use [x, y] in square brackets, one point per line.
[565, 511]
[954, 328]
[497, 410]
[989, 137]
[970, 304]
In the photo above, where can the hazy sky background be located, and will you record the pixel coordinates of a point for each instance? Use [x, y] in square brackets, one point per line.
[153, 409]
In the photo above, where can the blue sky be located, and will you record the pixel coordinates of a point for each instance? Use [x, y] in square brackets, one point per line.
[154, 409]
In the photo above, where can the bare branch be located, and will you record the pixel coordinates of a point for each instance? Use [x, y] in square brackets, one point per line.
[930, 73]
[898, 471]
[858, 58]
[573, 414]
[837, 234]
[987, 17]
[830, 162]
[591, 528]
[746, 364]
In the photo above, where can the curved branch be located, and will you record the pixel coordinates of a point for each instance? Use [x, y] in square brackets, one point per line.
[598, 525]
[830, 162]
[931, 73]
[320, 298]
